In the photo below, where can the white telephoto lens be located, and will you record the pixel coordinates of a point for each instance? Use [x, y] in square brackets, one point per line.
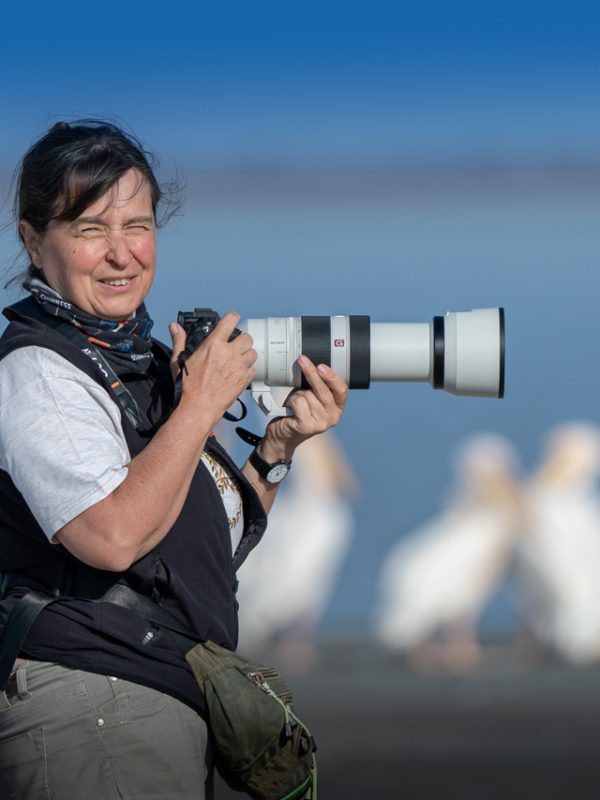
[461, 352]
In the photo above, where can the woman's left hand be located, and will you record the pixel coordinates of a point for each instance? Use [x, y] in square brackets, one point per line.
[315, 409]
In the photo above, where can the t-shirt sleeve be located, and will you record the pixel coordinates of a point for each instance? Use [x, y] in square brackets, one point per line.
[61, 438]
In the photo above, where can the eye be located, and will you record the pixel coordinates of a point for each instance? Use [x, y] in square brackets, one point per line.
[139, 228]
[90, 230]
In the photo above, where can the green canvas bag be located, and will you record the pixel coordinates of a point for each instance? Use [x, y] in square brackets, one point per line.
[261, 746]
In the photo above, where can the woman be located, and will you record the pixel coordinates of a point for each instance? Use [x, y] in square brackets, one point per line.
[105, 483]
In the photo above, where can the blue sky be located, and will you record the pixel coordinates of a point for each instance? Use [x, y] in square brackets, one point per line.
[310, 80]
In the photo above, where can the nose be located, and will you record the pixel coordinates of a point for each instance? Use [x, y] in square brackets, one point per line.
[118, 253]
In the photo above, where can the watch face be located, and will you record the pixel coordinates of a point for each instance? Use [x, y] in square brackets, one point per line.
[277, 473]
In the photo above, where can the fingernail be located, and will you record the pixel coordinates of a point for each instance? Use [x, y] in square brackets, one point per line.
[173, 328]
[303, 360]
[323, 369]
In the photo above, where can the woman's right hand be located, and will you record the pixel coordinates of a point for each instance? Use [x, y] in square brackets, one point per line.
[218, 371]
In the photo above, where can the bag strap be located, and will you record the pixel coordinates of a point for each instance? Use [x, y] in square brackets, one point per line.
[31, 604]
[122, 595]
[18, 626]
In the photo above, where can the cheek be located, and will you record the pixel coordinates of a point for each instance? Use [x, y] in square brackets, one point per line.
[63, 264]
[145, 253]
[82, 259]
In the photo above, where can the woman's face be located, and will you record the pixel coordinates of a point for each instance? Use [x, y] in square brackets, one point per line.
[104, 261]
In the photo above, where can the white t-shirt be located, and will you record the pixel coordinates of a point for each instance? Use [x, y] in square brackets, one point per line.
[62, 442]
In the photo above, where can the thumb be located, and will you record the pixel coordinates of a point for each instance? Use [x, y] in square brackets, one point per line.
[178, 338]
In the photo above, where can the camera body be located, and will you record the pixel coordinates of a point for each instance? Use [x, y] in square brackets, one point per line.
[198, 324]
[460, 352]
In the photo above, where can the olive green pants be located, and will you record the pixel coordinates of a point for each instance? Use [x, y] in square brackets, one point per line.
[72, 735]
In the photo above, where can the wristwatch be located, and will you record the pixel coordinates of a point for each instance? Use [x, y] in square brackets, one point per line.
[272, 473]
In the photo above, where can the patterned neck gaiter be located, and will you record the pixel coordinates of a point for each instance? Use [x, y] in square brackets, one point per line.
[126, 344]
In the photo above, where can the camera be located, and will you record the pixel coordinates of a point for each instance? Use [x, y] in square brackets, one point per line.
[459, 352]
[198, 324]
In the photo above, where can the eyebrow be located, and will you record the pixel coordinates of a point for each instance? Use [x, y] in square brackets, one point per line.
[100, 221]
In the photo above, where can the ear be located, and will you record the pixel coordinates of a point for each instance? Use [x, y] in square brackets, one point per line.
[31, 239]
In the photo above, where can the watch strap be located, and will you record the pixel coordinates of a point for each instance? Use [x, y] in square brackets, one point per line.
[248, 436]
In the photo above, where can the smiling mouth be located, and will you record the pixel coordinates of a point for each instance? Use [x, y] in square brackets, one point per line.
[117, 282]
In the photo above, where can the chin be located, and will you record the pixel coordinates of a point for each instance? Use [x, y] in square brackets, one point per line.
[116, 314]
[121, 308]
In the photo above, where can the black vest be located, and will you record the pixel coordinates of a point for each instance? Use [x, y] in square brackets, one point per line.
[190, 573]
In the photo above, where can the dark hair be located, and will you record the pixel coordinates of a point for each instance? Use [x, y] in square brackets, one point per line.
[73, 165]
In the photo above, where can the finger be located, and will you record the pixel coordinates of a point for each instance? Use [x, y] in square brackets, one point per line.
[329, 387]
[243, 343]
[319, 400]
[336, 384]
[299, 405]
[178, 338]
[249, 357]
[226, 325]
[310, 412]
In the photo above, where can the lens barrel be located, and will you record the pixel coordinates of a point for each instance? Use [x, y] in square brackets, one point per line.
[460, 352]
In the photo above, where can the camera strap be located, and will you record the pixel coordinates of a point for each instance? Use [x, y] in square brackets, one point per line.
[124, 396]
[88, 348]
[231, 417]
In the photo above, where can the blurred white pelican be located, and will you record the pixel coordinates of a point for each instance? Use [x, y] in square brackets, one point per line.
[285, 583]
[559, 557]
[440, 577]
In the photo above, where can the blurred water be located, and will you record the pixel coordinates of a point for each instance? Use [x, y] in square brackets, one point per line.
[403, 257]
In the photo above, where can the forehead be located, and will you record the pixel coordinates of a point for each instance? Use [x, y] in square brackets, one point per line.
[130, 194]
